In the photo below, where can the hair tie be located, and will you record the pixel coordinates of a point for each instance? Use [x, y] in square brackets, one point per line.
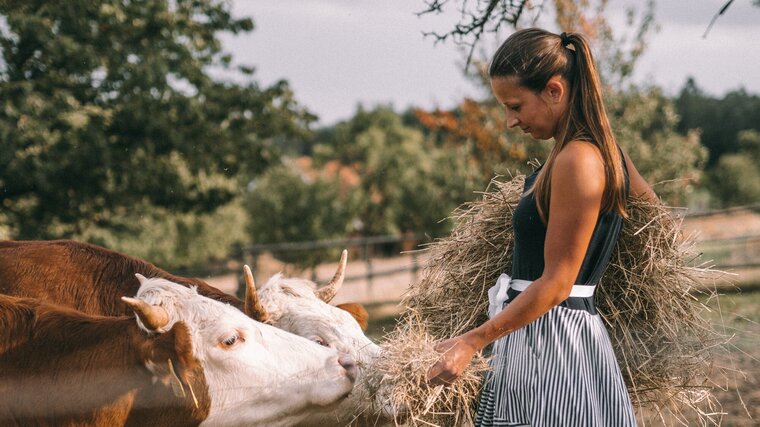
[565, 39]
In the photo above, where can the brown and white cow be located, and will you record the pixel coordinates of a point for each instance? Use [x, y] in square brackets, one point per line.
[191, 360]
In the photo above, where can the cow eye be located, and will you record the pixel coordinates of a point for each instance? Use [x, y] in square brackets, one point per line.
[320, 341]
[232, 340]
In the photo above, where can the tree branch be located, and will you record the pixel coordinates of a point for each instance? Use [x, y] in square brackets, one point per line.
[477, 18]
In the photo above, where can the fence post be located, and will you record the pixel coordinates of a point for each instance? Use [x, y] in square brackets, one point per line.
[415, 266]
[368, 262]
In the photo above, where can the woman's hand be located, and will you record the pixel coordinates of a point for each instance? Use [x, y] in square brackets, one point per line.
[456, 355]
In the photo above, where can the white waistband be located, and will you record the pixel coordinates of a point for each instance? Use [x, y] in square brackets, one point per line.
[579, 291]
[497, 294]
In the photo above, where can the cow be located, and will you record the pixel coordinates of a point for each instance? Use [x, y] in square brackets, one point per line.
[186, 360]
[92, 279]
[298, 306]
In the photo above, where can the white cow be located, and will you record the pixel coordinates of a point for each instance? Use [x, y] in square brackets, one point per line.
[256, 374]
[297, 306]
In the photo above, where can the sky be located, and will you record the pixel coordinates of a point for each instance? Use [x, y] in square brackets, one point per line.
[337, 54]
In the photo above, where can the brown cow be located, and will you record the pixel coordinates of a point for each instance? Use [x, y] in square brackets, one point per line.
[86, 277]
[62, 367]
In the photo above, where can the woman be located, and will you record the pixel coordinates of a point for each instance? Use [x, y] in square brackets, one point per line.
[553, 363]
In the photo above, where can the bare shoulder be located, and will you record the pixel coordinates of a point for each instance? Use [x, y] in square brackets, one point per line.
[579, 165]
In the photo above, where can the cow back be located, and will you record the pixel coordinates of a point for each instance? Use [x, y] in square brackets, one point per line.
[82, 276]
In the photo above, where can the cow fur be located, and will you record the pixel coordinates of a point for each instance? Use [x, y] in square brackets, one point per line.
[86, 277]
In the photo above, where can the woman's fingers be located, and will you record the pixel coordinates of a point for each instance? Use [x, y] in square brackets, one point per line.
[441, 372]
[439, 376]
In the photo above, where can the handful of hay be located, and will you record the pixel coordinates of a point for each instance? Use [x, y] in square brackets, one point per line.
[645, 297]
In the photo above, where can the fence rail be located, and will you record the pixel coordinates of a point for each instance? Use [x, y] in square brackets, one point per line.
[249, 254]
[742, 252]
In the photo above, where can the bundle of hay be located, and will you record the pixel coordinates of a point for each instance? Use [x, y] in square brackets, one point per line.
[646, 298]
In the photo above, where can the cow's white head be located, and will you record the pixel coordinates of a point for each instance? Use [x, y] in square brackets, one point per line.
[298, 306]
[256, 374]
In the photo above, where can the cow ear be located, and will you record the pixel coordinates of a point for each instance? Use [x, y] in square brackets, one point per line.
[172, 361]
[358, 312]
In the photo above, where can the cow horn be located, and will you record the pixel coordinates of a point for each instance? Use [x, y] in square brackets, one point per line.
[328, 292]
[153, 317]
[253, 307]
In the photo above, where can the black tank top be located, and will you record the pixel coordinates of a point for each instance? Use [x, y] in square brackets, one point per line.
[530, 234]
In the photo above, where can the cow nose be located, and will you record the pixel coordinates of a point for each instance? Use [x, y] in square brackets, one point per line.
[349, 364]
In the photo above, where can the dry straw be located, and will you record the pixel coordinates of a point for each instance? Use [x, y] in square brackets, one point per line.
[646, 297]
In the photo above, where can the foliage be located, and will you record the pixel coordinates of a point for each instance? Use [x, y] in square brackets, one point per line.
[735, 179]
[174, 241]
[481, 130]
[644, 122]
[407, 183]
[109, 106]
[285, 204]
[719, 119]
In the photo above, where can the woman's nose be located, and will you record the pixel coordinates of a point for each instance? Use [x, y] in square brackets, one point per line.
[512, 120]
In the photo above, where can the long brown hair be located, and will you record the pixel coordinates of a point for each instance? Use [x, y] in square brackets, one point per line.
[534, 56]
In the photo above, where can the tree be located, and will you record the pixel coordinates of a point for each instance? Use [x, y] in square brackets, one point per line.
[735, 180]
[407, 183]
[292, 202]
[645, 125]
[719, 119]
[111, 105]
[176, 240]
[480, 129]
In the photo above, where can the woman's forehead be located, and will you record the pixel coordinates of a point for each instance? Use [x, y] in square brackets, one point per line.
[508, 88]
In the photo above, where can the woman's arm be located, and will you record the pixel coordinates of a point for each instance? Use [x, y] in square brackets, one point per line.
[639, 186]
[577, 186]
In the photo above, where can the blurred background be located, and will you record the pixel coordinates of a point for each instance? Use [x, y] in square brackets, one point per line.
[203, 134]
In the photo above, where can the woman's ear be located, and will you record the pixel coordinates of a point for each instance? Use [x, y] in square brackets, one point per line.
[556, 89]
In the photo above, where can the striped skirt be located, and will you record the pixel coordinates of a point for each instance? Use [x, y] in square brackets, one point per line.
[559, 370]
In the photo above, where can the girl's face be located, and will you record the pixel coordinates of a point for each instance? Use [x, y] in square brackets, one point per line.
[537, 114]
